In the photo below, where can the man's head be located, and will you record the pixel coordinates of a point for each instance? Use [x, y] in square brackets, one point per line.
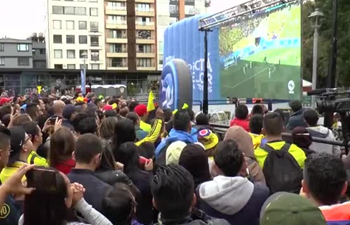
[241, 112]
[34, 132]
[21, 145]
[5, 146]
[229, 159]
[202, 119]
[272, 124]
[141, 111]
[325, 178]
[40, 103]
[173, 184]
[33, 111]
[295, 105]
[88, 149]
[84, 124]
[58, 106]
[311, 117]
[256, 123]
[182, 121]
[99, 103]
[134, 117]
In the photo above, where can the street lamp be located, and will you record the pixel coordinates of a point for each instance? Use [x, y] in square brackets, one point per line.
[317, 16]
[83, 83]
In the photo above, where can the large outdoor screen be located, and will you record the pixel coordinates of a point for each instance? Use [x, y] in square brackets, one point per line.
[261, 56]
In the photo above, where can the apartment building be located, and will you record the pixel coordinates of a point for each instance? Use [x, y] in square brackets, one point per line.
[75, 34]
[171, 11]
[16, 53]
[131, 35]
[38, 50]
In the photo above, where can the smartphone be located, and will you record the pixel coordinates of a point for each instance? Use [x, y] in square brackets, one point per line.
[42, 179]
[143, 160]
[53, 119]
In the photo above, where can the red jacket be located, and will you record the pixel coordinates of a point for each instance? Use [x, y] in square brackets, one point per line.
[65, 166]
[242, 123]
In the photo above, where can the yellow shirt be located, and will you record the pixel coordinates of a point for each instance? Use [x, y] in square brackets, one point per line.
[153, 134]
[33, 158]
[145, 126]
[256, 138]
[295, 151]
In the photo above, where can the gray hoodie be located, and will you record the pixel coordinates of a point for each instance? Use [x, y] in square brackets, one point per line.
[323, 132]
[220, 192]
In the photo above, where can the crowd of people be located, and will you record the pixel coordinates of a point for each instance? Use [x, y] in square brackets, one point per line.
[107, 161]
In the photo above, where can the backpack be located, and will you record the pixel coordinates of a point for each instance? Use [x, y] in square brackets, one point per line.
[281, 170]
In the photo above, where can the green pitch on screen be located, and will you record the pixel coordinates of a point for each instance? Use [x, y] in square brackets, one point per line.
[269, 71]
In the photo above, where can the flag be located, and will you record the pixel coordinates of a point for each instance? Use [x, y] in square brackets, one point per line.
[185, 106]
[150, 103]
[39, 89]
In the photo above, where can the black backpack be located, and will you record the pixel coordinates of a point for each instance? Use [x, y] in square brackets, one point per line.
[281, 170]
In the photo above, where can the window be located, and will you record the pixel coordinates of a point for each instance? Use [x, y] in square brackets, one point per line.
[70, 39]
[144, 34]
[82, 53]
[71, 54]
[117, 48]
[57, 9]
[57, 39]
[57, 24]
[58, 54]
[69, 10]
[144, 48]
[58, 66]
[94, 40]
[116, 5]
[70, 25]
[117, 62]
[80, 11]
[143, 62]
[95, 66]
[71, 66]
[2, 61]
[82, 39]
[23, 61]
[143, 7]
[40, 64]
[117, 34]
[95, 55]
[94, 26]
[23, 47]
[82, 25]
[2, 47]
[93, 11]
[82, 66]
[42, 51]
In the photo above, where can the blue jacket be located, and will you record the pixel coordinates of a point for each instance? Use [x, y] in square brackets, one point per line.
[176, 135]
[296, 120]
[10, 212]
[234, 199]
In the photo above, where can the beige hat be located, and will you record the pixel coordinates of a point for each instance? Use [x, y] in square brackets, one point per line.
[173, 152]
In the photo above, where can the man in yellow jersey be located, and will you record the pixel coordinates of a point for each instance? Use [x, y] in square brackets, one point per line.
[21, 153]
[141, 111]
[256, 126]
[273, 127]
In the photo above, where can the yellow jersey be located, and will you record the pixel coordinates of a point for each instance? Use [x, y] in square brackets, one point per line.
[145, 126]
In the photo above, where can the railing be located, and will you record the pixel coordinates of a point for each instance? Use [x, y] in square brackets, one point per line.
[116, 8]
[144, 23]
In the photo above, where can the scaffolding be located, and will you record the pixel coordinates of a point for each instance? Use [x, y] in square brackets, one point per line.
[239, 12]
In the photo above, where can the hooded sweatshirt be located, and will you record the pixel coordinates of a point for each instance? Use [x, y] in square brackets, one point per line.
[323, 132]
[176, 135]
[235, 199]
[245, 144]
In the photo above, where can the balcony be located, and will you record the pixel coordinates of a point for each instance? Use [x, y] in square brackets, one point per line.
[94, 44]
[117, 54]
[148, 13]
[145, 1]
[145, 55]
[144, 25]
[117, 66]
[122, 25]
[146, 68]
[116, 11]
[117, 39]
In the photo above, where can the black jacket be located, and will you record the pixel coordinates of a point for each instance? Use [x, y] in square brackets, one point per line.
[10, 212]
[197, 217]
[112, 177]
[296, 120]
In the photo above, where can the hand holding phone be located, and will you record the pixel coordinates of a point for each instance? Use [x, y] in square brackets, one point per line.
[42, 179]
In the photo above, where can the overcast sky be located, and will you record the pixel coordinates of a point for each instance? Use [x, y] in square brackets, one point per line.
[21, 18]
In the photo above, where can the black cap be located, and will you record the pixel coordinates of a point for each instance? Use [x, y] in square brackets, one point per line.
[18, 136]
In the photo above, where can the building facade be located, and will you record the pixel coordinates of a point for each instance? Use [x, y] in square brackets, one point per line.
[38, 51]
[171, 11]
[75, 34]
[16, 53]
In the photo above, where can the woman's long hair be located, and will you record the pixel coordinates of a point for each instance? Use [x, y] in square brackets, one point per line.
[43, 208]
[106, 129]
[128, 155]
[124, 132]
[62, 144]
[107, 157]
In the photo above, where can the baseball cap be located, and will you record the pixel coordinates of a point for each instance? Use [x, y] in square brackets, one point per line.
[17, 141]
[140, 110]
[4, 100]
[290, 209]
[107, 108]
[208, 138]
